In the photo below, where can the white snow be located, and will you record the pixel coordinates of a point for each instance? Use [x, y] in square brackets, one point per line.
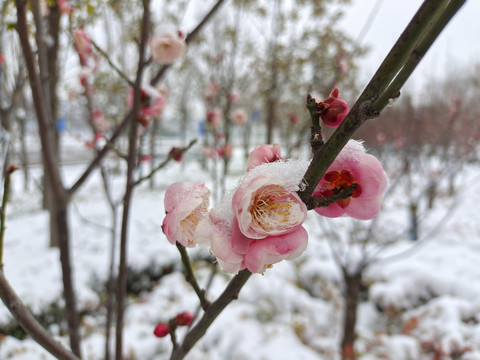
[294, 311]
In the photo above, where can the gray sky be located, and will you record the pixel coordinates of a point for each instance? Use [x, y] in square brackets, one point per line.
[457, 47]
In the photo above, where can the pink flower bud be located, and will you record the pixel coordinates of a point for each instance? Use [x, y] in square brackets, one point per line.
[166, 48]
[146, 158]
[82, 44]
[293, 119]
[225, 152]
[161, 330]
[214, 117]
[239, 117]
[184, 319]
[152, 102]
[334, 109]
[2, 59]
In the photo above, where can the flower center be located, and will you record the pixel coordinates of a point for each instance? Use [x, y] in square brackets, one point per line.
[271, 208]
[336, 182]
[189, 223]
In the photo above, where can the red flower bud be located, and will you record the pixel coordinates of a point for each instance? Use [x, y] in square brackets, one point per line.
[143, 121]
[335, 109]
[174, 150]
[161, 330]
[184, 319]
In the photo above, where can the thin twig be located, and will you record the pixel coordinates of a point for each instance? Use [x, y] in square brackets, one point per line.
[190, 276]
[3, 210]
[112, 65]
[190, 37]
[28, 322]
[196, 333]
[130, 184]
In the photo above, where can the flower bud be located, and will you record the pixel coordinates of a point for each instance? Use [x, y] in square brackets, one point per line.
[184, 319]
[161, 330]
[334, 109]
[174, 151]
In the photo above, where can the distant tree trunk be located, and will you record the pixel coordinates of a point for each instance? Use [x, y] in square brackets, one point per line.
[351, 297]
[59, 195]
[21, 121]
[413, 233]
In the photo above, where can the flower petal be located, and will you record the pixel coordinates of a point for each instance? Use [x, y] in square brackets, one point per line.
[273, 249]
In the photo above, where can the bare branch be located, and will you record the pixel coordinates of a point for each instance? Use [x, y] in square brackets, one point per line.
[190, 37]
[28, 322]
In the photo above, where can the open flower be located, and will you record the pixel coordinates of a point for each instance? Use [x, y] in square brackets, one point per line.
[185, 204]
[353, 166]
[167, 47]
[263, 154]
[334, 109]
[239, 117]
[260, 224]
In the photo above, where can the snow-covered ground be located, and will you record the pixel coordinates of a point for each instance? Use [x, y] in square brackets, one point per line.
[422, 305]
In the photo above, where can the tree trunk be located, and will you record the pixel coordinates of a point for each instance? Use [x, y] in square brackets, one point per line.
[351, 296]
[60, 217]
[413, 233]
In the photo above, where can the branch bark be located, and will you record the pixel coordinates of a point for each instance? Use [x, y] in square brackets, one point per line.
[28, 322]
[231, 293]
[59, 194]
[131, 165]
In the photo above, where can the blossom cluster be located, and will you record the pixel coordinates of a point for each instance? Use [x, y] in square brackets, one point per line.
[260, 222]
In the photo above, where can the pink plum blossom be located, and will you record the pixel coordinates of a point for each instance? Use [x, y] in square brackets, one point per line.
[353, 166]
[83, 44]
[334, 109]
[99, 121]
[239, 117]
[234, 96]
[260, 223]
[214, 117]
[65, 7]
[263, 154]
[166, 47]
[185, 204]
[152, 102]
[225, 151]
[2, 59]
